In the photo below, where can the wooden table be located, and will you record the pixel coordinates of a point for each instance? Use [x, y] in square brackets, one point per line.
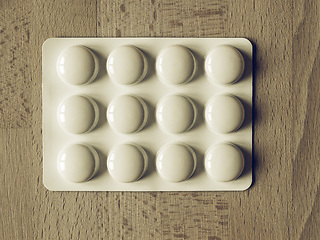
[283, 202]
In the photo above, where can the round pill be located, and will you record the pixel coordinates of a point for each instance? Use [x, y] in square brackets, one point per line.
[176, 113]
[176, 65]
[77, 65]
[78, 163]
[78, 114]
[127, 65]
[224, 64]
[127, 162]
[224, 162]
[224, 113]
[176, 162]
[127, 114]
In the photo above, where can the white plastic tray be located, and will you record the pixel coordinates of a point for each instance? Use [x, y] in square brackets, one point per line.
[151, 137]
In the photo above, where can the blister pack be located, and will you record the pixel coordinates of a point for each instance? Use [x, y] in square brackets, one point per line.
[147, 114]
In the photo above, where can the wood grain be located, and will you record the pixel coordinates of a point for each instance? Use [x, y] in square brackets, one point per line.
[305, 107]
[283, 202]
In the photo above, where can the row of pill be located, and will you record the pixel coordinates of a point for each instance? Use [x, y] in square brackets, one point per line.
[128, 162]
[129, 114]
[128, 65]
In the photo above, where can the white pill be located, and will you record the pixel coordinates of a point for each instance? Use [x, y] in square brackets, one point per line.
[176, 162]
[176, 65]
[224, 65]
[224, 113]
[78, 163]
[127, 65]
[224, 162]
[176, 113]
[78, 114]
[127, 162]
[77, 65]
[127, 114]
